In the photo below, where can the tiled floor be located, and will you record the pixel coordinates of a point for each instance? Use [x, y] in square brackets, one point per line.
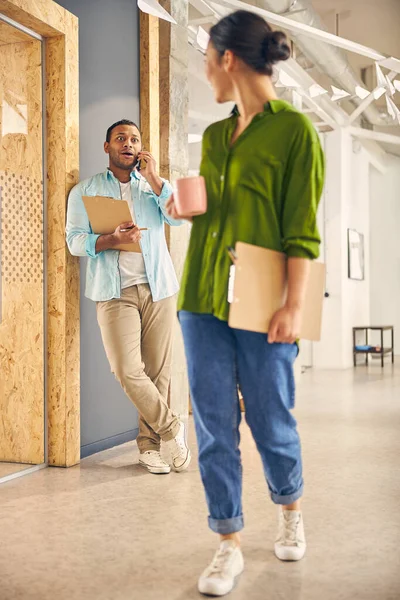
[107, 530]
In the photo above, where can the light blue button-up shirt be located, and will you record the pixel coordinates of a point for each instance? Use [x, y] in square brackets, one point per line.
[103, 279]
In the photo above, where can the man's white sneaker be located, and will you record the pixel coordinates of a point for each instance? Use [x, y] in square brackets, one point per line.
[180, 453]
[291, 542]
[219, 578]
[153, 462]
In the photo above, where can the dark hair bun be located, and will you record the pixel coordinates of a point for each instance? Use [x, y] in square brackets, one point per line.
[276, 47]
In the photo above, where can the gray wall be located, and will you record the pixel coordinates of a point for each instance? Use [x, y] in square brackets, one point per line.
[109, 90]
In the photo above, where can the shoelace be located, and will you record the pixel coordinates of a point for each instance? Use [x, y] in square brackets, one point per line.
[289, 531]
[220, 561]
[156, 459]
[179, 447]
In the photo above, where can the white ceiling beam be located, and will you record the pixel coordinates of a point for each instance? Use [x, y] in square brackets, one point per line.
[311, 103]
[203, 7]
[301, 28]
[377, 136]
[364, 104]
[202, 20]
[360, 109]
[326, 109]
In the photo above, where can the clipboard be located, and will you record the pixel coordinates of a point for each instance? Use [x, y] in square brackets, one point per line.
[106, 214]
[260, 289]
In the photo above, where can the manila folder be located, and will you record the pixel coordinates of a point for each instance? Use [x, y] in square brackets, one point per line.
[106, 214]
[260, 289]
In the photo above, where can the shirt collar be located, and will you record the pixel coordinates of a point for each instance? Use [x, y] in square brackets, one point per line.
[273, 106]
[134, 174]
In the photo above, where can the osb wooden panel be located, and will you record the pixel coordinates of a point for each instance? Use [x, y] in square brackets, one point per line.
[42, 16]
[22, 326]
[61, 28]
[63, 269]
[149, 84]
[9, 35]
[173, 88]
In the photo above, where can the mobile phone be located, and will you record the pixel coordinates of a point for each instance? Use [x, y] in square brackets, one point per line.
[141, 164]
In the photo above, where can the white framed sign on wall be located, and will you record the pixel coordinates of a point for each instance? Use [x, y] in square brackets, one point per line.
[356, 254]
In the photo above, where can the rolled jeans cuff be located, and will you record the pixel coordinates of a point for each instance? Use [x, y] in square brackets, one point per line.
[226, 526]
[285, 500]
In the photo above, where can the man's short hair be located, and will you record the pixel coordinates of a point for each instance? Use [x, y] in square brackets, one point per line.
[117, 124]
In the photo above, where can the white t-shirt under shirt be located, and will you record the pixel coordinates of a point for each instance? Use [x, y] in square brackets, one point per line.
[131, 264]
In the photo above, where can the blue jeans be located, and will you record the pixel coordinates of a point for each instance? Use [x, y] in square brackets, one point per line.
[219, 360]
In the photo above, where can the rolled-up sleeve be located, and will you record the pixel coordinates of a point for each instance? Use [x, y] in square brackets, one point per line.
[81, 241]
[303, 184]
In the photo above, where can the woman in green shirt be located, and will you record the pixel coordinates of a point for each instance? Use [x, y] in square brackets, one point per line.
[264, 171]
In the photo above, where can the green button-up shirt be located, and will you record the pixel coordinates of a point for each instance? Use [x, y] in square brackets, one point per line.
[264, 190]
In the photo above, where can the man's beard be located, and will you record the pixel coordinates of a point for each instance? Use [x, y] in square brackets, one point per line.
[123, 165]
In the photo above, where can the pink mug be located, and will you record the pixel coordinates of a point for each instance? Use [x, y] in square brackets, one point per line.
[190, 196]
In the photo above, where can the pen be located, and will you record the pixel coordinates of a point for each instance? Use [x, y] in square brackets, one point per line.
[140, 229]
[232, 254]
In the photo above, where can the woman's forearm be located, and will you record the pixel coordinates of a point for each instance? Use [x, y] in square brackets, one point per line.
[298, 272]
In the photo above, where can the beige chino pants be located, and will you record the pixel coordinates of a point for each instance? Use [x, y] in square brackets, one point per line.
[137, 336]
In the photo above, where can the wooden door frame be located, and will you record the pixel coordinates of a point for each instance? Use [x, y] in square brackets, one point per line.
[60, 30]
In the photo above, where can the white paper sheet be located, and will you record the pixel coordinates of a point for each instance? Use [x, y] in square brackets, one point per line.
[152, 7]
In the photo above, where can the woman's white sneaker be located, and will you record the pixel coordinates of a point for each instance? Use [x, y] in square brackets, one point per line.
[291, 542]
[153, 462]
[179, 450]
[220, 577]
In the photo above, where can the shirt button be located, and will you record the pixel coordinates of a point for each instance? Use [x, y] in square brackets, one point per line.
[214, 234]
[222, 178]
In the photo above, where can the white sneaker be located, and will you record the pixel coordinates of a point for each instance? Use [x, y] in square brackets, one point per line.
[291, 542]
[179, 450]
[153, 462]
[219, 578]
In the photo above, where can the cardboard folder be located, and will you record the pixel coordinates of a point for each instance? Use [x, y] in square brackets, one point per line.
[106, 214]
[260, 289]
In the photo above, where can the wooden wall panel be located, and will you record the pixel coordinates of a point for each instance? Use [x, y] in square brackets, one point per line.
[42, 16]
[149, 84]
[60, 28]
[22, 323]
[63, 269]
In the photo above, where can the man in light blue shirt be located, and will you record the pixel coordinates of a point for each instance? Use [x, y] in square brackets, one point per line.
[134, 291]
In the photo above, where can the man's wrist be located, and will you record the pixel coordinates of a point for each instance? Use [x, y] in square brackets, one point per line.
[155, 182]
[106, 241]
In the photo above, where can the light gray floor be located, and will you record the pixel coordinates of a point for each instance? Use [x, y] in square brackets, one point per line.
[107, 530]
[7, 468]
